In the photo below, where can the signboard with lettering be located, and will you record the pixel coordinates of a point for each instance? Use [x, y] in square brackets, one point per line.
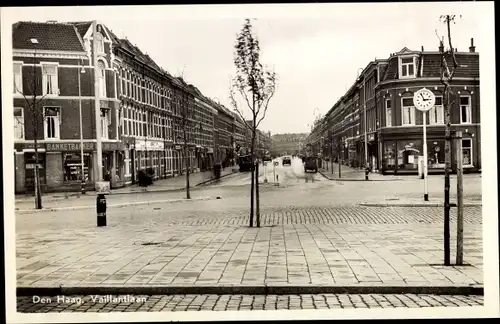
[69, 147]
[102, 187]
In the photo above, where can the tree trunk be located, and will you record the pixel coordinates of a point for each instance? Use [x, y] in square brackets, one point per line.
[447, 161]
[257, 193]
[252, 179]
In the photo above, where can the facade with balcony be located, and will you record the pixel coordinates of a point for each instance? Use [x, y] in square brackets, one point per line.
[383, 96]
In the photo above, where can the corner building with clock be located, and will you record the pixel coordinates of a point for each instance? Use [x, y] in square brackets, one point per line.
[394, 126]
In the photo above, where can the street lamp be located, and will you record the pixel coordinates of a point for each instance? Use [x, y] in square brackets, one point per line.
[366, 134]
[80, 71]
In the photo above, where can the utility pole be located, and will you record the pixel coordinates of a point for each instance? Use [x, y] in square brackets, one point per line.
[97, 103]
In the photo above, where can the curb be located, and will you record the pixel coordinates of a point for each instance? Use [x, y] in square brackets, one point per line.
[347, 179]
[418, 205]
[92, 193]
[29, 211]
[214, 180]
[249, 290]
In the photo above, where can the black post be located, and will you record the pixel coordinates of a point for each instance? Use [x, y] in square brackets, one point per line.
[340, 173]
[101, 210]
[257, 207]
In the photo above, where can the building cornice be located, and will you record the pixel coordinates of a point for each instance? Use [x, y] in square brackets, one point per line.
[49, 54]
[416, 80]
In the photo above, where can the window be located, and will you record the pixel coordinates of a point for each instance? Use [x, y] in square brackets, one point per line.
[408, 111]
[407, 67]
[99, 43]
[49, 79]
[465, 110]
[73, 167]
[467, 152]
[105, 122]
[51, 122]
[388, 113]
[18, 123]
[436, 113]
[101, 79]
[18, 77]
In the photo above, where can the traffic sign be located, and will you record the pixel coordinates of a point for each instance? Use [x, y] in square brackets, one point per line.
[276, 163]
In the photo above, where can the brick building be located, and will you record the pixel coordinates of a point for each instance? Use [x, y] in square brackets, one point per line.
[290, 143]
[48, 58]
[384, 90]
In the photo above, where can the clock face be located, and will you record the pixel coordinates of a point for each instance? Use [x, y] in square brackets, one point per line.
[424, 99]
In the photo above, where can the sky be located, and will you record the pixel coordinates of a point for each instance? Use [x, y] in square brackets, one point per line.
[317, 50]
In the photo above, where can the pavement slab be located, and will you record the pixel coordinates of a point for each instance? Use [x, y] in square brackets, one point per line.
[305, 247]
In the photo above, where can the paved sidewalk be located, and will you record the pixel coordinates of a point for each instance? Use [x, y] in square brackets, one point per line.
[303, 256]
[176, 184]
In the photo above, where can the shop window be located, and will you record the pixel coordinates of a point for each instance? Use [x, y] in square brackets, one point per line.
[49, 79]
[408, 111]
[467, 152]
[73, 166]
[30, 162]
[436, 113]
[408, 153]
[51, 122]
[435, 153]
[465, 110]
[18, 123]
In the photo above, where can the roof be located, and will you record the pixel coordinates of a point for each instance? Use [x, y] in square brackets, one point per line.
[81, 26]
[50, 36]
[468, 65]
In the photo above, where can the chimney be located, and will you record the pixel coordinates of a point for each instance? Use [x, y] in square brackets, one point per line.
[472, 48]
[422, 48]
[441, 47]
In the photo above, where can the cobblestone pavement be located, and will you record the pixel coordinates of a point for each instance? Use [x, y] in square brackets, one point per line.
[315, 246]
[169, 303]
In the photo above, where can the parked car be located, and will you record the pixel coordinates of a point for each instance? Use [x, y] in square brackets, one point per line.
[286, 160]
[310, 163]
[245, 163]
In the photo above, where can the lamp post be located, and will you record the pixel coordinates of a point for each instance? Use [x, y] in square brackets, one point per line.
[80, 71]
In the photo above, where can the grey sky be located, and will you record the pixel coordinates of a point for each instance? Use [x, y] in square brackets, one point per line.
[316, 49]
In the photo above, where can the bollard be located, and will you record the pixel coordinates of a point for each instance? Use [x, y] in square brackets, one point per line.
[101, 210]
[83, 188]
[366, 173]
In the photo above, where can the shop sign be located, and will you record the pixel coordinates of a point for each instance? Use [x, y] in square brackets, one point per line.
[28, 146]
[69, 147]
[113, 146]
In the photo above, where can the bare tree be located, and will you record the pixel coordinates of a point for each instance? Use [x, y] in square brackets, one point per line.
[446, 75]
[256, 86]
[32, 103]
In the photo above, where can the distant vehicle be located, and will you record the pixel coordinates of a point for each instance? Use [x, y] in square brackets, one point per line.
[286, 160]
[267, 158]
[310, 163]
[245, 162]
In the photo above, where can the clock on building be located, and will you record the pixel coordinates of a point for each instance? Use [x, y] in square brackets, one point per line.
[424, 99]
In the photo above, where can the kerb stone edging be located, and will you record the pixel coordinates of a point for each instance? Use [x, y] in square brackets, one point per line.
[350, 179]
[416, 205]
[29, 211]
[250, 290]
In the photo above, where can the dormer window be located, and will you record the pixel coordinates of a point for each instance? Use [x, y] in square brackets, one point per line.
[407, 67]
